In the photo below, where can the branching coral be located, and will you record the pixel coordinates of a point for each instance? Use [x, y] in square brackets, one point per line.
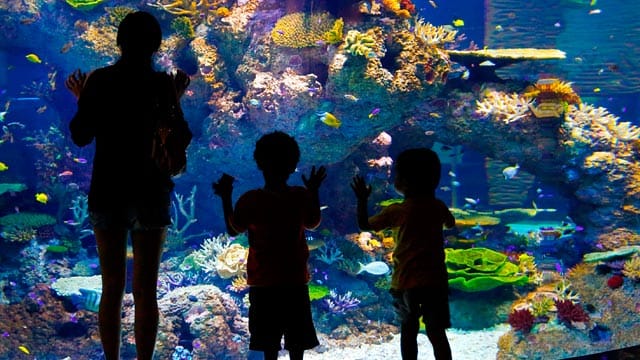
[542, 305]
[503, 107]
[632, 268]
[430, 35]
[339, 304]
[596, 128]
[299, 30]
[335, 35]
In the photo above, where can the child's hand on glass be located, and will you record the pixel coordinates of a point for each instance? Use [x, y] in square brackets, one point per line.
[315, 178]
[360, 187]
[75, 82]
[224, 186]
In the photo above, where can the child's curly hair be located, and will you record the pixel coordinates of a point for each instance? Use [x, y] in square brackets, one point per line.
[277, 152]
[419, 168]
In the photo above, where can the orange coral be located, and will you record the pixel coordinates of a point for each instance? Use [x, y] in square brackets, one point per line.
[223, 11]
[552, 90]
[402, 8]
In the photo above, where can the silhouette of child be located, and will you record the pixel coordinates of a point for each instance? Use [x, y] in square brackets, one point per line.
[419, 283]
[275, 217]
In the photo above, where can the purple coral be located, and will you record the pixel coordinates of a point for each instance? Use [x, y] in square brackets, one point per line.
[339, 304]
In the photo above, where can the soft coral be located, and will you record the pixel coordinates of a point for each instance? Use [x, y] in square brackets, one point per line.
[570, 312]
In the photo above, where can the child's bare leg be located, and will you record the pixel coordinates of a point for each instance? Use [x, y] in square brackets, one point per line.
[296, 354]
[409, 336]
[271, 355]
[440, 343]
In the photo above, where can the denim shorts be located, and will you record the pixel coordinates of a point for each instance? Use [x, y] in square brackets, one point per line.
[132, 218]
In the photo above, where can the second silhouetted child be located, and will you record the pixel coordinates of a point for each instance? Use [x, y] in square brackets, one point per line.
[419, 283]
[275, 218]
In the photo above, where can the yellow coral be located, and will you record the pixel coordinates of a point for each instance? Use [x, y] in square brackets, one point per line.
[298, 30]
[334, 35]
[357, 43]
[232, 261]
[552, 90]
[632, 268]
[239, 284]
[223, 11]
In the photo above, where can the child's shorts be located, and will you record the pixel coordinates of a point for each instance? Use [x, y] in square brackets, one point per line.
[277, 311]
[432, 303]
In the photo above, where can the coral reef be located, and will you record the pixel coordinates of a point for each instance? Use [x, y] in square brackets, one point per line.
[503, 107]
[299, 30]
[632, 268]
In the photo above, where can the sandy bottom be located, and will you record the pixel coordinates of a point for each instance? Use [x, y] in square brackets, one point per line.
[465, 345]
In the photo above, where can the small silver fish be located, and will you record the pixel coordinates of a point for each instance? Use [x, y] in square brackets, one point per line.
[510, 171]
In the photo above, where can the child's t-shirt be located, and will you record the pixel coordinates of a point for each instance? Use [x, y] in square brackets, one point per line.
[418, 257]
[275, 222]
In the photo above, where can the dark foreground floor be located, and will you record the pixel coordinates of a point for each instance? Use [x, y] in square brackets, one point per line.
[632, 353]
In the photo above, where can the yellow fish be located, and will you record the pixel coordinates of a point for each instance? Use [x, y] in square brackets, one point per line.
[42, 198]
[458, 22]
[24, 349]
[596, 90]
[3, 166]
[33, 58]
[331, 120]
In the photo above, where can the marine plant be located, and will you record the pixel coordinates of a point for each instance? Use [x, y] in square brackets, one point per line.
[183, 27]
[359, 44]
[329, 254]
[632, 268]
[521, 320]
[570, 312]
[299, 30]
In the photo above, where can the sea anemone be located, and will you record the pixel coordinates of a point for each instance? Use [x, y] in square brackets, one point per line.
[615, 281]
[521, 320]
[570, 312]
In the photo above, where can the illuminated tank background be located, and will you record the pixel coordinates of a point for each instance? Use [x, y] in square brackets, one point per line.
[547, 258]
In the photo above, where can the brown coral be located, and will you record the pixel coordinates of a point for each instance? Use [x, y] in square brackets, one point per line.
[618, 238]
[552, 90]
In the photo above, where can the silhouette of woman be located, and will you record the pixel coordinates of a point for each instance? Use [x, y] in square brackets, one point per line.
[128, 193]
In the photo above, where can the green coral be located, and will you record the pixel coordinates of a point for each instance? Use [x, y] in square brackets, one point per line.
[357, 43]
[317, 292]
[542, 306]
[183, 27]
[299, 30]
[335, 35]
[26, 220]
[481, 269]
[84, 4]
[189, 263]
[12, 188]
[117, 14]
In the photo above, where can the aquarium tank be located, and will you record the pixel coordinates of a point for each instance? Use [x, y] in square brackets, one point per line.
[532, 107]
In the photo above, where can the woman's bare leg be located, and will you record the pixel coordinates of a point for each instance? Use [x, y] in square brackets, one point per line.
[112, 250]
[147, 253]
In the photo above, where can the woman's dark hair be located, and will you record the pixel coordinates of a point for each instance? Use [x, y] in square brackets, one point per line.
[419, 168]
[139, 34]
[277, 152]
